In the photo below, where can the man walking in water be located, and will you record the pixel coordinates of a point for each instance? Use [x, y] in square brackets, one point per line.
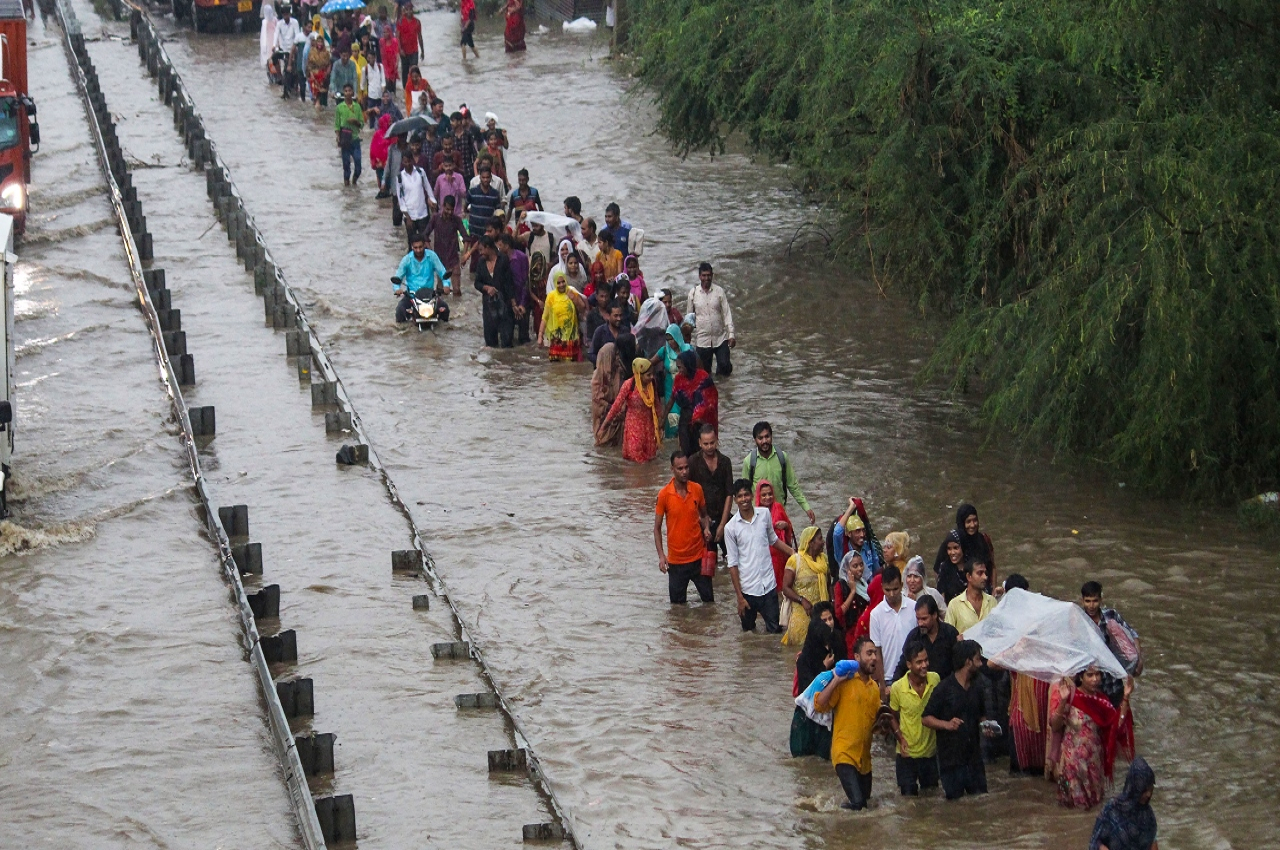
[764, 462]
[713, 329]
[1119, 636]
[713, 471]
[855, 702]
[749, 536]
[348, 118]
[683, 507]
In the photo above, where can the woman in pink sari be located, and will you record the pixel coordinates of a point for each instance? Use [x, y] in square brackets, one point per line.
[1087, 731]
[781, 525]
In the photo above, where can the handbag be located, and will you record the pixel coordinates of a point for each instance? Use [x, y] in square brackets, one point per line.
[784, 612]
[345, 137]
[709, 562]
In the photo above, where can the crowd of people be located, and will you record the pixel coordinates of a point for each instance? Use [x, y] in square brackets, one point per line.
[879, 650]
[882, 651]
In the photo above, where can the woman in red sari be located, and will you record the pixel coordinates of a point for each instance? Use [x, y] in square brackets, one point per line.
[1029, 721]
[699, 401]
[781, 525]
[1087, 731]
[638, 402]
[514, 36]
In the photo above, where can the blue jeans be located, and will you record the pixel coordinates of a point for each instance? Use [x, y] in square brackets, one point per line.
[350, 154]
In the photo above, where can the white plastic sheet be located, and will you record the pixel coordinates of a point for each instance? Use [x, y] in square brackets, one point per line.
[1042, 637]
[580, 25]
[557, 225]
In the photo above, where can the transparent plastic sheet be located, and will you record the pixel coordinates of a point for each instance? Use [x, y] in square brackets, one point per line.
[1043, 637]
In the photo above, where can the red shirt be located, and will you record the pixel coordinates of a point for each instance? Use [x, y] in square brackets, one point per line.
[408, 31]
[685, 543]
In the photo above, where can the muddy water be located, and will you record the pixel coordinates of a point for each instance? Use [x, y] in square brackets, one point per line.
[661, 726]
[128, 716]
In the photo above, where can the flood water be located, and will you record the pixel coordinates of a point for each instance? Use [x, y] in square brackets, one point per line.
[661, 726]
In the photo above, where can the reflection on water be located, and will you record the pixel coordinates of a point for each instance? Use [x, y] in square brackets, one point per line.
[664, 727]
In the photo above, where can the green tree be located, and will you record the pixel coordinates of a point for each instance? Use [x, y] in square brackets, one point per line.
[1088, 189]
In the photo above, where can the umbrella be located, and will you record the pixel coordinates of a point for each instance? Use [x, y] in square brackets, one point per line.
[1042, 637]
[341, 6]
[412, 124]
[557, 225]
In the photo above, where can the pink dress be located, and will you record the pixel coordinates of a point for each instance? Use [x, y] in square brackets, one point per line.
[639, 442]
[1082, 784]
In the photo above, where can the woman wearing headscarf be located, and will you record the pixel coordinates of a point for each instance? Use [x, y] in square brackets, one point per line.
[1127, 821]
[975, 542]
[765, 500]
[575, 276]
[637, 401]
[267, 35]
[650, 328]
[694, 396]
[804, 583]
[362, 78]
[380, 147]
[666, 359]
[1087, 731]
[823, 647]
[319, 61]
[606, 382]
[914, 585]
[948, 566]
[674, 316]
[560, 330]
[631, 267]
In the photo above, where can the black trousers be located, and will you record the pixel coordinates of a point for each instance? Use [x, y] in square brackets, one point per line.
[857, 786]
[416, 227]
[767, 607]
[964, 779]
[678, 578]
[721, 352]
[915, 775]
[406, 62]
[499, 323]
[522, 328]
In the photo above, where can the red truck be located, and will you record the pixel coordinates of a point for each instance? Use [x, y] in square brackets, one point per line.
[207, 15]
[18, 128]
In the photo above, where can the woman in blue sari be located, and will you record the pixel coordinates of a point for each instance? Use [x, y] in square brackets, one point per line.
[669, 353]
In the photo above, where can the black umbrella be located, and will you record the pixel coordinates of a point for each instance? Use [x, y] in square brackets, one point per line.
[412, 124]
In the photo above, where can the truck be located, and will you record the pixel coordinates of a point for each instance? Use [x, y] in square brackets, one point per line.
[208, 15]
[19, 132]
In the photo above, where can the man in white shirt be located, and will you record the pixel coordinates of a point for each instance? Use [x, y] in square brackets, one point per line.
[288, 37]
[891, 621]
[748, 537]
[413, 191]
[589, 245]
[713, 328]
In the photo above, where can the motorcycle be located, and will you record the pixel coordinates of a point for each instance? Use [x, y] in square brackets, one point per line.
[425, 308]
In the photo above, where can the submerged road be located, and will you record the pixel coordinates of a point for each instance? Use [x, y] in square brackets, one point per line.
[656, 726]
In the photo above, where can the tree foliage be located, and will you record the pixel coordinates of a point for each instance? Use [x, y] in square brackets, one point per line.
[1088, 188]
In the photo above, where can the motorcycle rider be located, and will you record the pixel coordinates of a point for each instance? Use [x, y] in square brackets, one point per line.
[288, 37]
[418, 270]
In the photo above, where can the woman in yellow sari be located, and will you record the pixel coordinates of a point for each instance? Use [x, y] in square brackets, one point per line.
[362, 78]
[560, 321]
[805, 583]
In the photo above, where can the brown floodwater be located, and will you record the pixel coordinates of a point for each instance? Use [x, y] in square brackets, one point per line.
[661, 726]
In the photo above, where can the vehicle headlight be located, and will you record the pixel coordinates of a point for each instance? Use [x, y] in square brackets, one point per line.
[13, 197]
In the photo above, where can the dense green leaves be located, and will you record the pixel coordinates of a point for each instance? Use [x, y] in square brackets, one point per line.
[1088, 188]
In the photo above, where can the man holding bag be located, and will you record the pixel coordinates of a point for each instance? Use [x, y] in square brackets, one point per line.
[347, 121]
[684, 508]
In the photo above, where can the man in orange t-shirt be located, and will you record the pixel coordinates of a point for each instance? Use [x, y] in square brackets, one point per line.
[684, 507]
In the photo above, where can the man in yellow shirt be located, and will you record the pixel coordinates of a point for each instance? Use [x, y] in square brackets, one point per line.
[916, 767]
[855, 701]
[971, 607]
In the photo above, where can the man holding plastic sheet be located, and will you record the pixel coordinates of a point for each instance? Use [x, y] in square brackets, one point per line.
[1120, 637]
[855, 700]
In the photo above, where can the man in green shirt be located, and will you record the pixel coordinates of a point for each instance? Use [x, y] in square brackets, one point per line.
[763, 462]
[348, 118]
